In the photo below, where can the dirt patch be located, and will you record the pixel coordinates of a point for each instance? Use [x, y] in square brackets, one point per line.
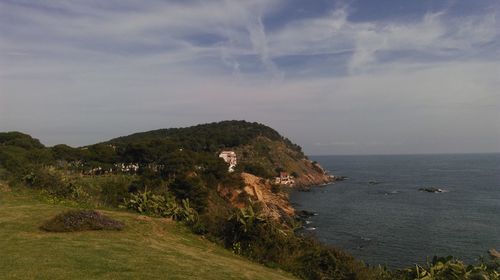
[143, 218]
[4, 187]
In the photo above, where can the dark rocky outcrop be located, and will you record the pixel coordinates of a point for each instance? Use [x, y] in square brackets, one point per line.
[431, 190]
[494, 254]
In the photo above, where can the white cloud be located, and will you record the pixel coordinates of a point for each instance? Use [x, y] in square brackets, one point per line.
[167, 30]
[435, 34]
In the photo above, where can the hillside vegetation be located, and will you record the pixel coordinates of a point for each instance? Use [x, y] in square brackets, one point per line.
[180, 161]
[176, 178]
[147, 248]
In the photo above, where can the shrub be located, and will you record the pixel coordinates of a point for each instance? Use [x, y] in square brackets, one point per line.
[162, 206]
[275, 188]
[78, 193]
[451, 268]
[48, 180]
[114, 190]
[184, 212]
[243, 197]
[318, 264]
[250, 234]
[81, 220]
[152, 204]
[257, 170]
[191, 188]
[4, 174]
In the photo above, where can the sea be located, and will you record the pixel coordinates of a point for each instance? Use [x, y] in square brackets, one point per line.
[380, 215]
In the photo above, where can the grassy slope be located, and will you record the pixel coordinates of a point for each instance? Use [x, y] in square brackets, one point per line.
[146, 249]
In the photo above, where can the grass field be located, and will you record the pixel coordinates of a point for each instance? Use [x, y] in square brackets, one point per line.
[148, 248]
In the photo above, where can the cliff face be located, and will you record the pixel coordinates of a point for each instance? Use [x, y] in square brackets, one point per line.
[273, 201]
[260, 161]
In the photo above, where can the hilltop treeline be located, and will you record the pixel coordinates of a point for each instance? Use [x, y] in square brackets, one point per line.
[174, 149]
[210, 137]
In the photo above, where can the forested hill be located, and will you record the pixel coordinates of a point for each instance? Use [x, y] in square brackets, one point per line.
[183, 162]
[260, 150]
[210, 137]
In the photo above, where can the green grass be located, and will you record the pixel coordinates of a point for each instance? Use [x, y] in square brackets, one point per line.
[146, 249]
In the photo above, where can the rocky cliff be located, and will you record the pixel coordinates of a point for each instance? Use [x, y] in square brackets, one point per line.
[272, 200]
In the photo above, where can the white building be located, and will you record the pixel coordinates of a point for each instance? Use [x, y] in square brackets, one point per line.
[230, 158]
[284, 179]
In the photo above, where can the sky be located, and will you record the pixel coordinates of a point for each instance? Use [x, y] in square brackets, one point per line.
[336, 77]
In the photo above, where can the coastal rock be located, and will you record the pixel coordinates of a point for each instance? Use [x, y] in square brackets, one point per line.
[431, 190]
[304, 214]
[494, 253]
[338, 178]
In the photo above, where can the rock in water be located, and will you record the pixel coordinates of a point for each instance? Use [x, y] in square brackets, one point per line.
[431, 190]
[494, 253]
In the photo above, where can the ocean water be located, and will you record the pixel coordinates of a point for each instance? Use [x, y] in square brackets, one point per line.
[391, 222]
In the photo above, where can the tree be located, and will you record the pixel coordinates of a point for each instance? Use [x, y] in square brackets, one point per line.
[191, 188]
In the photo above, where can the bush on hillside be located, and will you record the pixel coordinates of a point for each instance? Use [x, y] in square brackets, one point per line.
[162, 206]
[276, 188]
[192, 188]
[49, 180]
[81, 220]
[450, 268]
[255, 169]
[114, 190]
[248, 233]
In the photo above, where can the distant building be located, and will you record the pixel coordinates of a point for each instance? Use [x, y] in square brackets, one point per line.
[230, 158]
[127, 167]
[284, 179]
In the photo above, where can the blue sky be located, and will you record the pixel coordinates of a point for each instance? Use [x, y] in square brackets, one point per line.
[337, 77]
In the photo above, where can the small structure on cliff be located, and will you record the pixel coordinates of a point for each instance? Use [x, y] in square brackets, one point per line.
[230, 158]
[284, 179]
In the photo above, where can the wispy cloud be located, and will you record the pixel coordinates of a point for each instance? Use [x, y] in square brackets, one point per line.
[232, 31]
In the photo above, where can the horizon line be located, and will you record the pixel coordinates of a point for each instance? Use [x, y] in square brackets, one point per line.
[408, 154]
